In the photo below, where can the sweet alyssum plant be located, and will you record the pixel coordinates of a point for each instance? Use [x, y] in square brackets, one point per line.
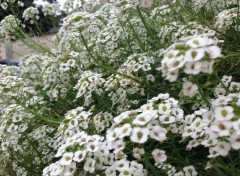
[134, 87]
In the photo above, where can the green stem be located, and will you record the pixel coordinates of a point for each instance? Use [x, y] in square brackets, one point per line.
[109, 69]
[195, 17]
[205, 99]
[48, 120]
[135, 33]
[147, 28]
[150, 166]
[36, 150]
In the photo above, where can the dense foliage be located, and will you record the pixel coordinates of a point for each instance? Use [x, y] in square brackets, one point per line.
[134, 87]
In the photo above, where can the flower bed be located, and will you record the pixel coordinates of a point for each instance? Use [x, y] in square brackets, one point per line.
[135, 87]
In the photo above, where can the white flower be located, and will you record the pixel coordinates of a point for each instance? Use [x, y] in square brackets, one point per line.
[118, 145]
[223, 148]
[222, 128]
[109, 160]
[207, 67]
[79, 156]
[138, 152]
[164, 108]
[234, 86]
[188, 131]
[189, 89]
[138, 168]
[197, 124]
[193, 67]
[227, 79]
[110, 171]
[146, 67]
[72, 123]
[213, 52]
[176, 63]
[208, 166]
[199, 41]
[159, 155]
[70, 169]
[92, 146]
[221, 101]
[223, 113]
[194, 55]
[20, 4]
[207, 116]
[144, 117]
[124, 115]
[163, 96]
[66, 159]
[147, 107]
[139, 135]
[22, 127]
[172, 75]
[50, 9]
[12, 128]
[57, 169]
[124, 131]
[127, 171]
[170, 56]
[236, 126]
[89, 165]
[167, 119]
[158, 133]
[71, 114]
[190, 171]
[71, 62]
[4, 5]
[235, 141]
[179, 174]
[121, 164]
[213, 152]
[112, 135]
[209, 142]
[150, 78]
[17, 118]
[178, 113]
[31, 13]
[146, 3]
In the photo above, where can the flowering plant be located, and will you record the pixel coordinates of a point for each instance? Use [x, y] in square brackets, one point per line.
[134, 87]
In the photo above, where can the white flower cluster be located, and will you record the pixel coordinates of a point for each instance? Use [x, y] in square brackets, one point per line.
[89, 82]
[17, 130]
[77, 120]
[50, 74]
[194, 55]
[8, 26]
[153, 120]
[131, 3]
[50, 10]
[32, 70]
[141, 3]
[136, 62]
[226, 85]
[213, 5]
[4, 5]
[102, 121]
[31, 14]
[225, 19]
[217, 129]
[94, 154]
[119, 94]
